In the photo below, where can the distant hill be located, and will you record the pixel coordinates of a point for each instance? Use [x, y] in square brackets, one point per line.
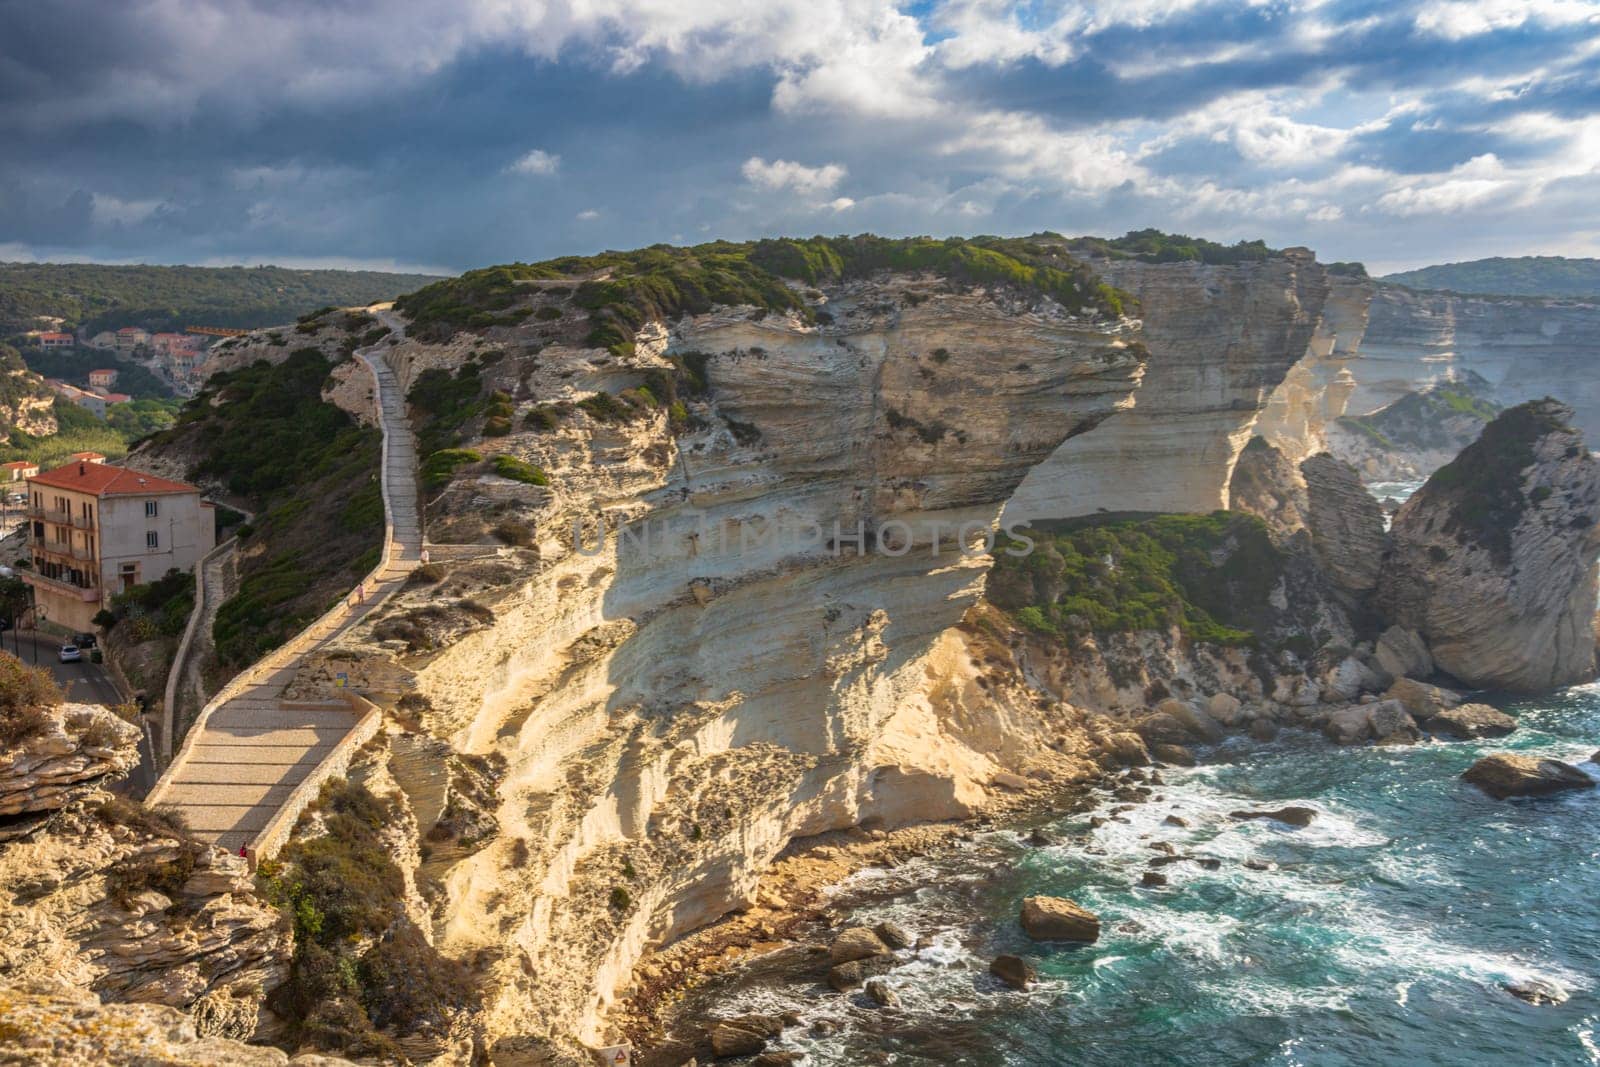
[1515, 276]
[100, 297]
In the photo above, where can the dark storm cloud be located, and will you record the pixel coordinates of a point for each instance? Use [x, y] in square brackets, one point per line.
[209, 130]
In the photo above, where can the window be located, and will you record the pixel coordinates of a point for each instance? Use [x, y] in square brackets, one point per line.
[152, 539]
[152, 508]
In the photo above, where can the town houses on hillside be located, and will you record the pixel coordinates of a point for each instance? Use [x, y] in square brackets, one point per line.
[95, 530]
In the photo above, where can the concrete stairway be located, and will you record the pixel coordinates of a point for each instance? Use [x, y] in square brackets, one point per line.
[251, 750]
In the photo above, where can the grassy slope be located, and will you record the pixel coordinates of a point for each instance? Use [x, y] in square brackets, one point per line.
[105, 297]
[1516, 276]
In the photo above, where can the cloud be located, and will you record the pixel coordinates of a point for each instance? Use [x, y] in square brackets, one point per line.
[536, 163]
[783, 174]
[587, 215]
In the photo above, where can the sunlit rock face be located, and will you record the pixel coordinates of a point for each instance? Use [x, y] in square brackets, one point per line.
[771, 652]
[1317, 389]
[1221, 339]
[1525, 347]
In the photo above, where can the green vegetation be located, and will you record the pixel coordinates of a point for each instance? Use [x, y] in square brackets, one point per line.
[78, 430]
[441, 466]
[100, 297]
[1348, 269]
[1154, 246]
[1442, 417]
[1483, 484]
[311, 474]
[446, 403]
[1513, 276]
[73, 365]
[623, 290]
[1208, 575]
[265, 428]
[361, 971]
[155, 609]
[519, 470]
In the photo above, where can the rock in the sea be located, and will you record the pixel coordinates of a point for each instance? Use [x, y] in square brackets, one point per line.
[1264, 730]
[1536, 991]
[894, 935]
[844, 977]
[856, 943]
[1346, 524]
[1422, 700]
[1014, 971]
[776, 1059]
[1041, 838]
[882, 994]
[1504, 774]
[1198, 724]
[1175, 820]
[1385, 722]
[1471, 721]
[1403, 653]
[744, 1036]
[1153, 879]
[1176, 755]
[1290, 816]
[1125, 749]
[1058, 919]
[1492, 562]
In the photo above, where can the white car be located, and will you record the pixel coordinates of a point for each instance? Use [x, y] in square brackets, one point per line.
[69, 654]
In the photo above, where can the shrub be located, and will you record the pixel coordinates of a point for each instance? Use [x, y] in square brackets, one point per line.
[515, 534]
[26, 695]
[496, 426]
[547, 313]
[542, 418]
[519, 470]
[439, 468]
[621, 899]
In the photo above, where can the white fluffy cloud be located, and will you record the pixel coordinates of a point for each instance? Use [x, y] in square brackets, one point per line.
[784, 174]
[536, 163]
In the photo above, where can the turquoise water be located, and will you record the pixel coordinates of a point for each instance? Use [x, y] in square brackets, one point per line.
[1383, 935]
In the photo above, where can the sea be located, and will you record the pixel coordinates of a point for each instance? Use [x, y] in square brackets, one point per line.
[1387, 931]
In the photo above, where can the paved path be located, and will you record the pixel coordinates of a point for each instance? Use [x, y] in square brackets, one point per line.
[248, 755]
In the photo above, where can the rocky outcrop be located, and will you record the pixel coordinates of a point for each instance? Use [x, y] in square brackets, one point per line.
[1267, 485]
[1468, 722]
[1058, 919]
[1417, 434]
[1505, 774]
[1220, 339]
[55, 1025]
[1525, 348]
[1493, 562]
[1346, 525]
[119, 901]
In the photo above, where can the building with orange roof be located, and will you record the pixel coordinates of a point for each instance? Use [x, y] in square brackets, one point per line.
[95, 530]
[56, 339]
[102, 378]
[18, 469]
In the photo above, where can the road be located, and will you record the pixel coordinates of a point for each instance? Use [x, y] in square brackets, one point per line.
[83, 683]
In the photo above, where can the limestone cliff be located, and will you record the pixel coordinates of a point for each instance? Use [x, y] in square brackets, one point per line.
[1317, 390]
[1346, 525]
[1493, 561]
[1524, 347]
[1417, 434]
[1221, 338]
[770, 649]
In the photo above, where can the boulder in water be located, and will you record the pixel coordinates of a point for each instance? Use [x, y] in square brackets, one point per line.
[1536, 991]
[881, 994]
[857, 943]
[1058, 919]
[1422, 700]
[1471, 721]
[1504, 774]
[1290, 816]
[894, 935]
[1153, 880]
[744, 1036]
[1014, 971]
[1402, 653]
[1264, 730]
[1176, 755]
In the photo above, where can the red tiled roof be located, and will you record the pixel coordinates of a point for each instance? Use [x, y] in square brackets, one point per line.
[54, 336]
[93, 456]
[101, 480]
[130, 329]
[19, 465]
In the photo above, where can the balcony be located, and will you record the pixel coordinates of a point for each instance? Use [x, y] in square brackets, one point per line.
[59, 586]
[62, 550]
[60, 518]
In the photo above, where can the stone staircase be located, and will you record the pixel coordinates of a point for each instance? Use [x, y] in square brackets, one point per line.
[253, 759]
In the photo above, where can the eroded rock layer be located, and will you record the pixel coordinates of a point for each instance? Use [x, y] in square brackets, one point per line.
[1221, 339]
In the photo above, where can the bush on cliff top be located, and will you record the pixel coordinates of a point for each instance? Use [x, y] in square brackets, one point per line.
[358, 964]
[1154, 246]
[623, 290]
[1207, 575]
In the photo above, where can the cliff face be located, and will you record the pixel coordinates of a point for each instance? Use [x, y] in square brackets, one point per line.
[1317, 390]
[1493, 561]
[1524, 347]
[1221, 339]
[768, 654]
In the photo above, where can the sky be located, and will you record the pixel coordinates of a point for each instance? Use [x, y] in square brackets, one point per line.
[442, 136]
